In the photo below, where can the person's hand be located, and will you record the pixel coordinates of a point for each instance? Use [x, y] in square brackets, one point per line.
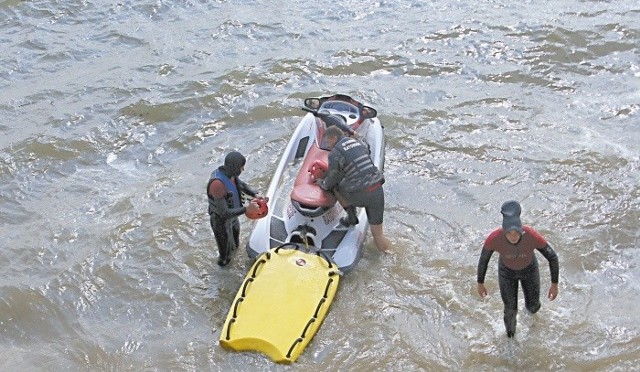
[553, 291]
[482, 291]
[253, 206]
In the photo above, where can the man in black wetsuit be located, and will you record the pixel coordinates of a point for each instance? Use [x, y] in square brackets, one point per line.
[224, 191]
[516, 245]
[354, 179]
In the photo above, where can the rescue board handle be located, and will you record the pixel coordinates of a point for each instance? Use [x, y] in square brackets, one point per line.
[311, 321]
[229, 328]
[287, 245]
[326, 290]
[322, 300]
[255, 268]
[235, 308]
[246, 283]
[320, 253]
[294, 345]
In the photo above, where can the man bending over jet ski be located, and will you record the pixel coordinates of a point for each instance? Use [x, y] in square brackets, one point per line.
[354, 179]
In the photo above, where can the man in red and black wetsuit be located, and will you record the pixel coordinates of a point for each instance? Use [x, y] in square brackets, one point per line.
[224, 191]
[516, 245]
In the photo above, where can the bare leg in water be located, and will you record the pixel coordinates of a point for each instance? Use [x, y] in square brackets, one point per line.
[382, 243]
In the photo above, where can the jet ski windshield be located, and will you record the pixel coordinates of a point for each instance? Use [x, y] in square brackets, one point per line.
[353, 112]
[342, 108]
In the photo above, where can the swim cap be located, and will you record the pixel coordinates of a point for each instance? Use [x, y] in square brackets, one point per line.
[511, 216]
[233, 163]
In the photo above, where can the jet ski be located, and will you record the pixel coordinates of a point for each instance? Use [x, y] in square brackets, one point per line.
[302, 213]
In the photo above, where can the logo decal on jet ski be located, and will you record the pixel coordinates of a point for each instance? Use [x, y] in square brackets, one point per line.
[330, 216]
[291, 210]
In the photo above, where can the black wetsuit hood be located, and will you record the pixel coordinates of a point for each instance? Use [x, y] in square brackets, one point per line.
[233, 163]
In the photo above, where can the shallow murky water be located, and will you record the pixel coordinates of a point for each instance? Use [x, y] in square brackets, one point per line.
[114, 115]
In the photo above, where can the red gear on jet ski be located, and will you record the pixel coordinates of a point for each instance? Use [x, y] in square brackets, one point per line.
[318, 169]
[261, 212]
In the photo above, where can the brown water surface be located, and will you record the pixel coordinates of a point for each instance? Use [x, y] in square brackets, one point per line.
[113, 115]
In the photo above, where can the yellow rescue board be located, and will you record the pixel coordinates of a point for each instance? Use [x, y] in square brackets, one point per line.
[281, 304]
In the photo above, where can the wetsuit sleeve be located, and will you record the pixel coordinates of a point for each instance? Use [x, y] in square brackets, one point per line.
[554, 265]
[223, 211]
[334, 173]
[483, 263]
[245, 189]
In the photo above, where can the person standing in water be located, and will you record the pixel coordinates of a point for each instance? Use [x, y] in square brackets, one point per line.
[224, 191]
[516, 245]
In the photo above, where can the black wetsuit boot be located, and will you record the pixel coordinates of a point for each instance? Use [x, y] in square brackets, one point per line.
[510, 323]
[351, 219]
